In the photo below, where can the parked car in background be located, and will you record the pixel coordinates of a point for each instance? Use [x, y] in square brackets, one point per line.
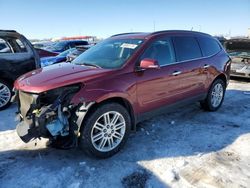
[45, 53]
[239, 51]
[101, 96]
[17, 56]
[221, 39]
[42, 44]
[78, 51]
[61, 57]
[65, 45]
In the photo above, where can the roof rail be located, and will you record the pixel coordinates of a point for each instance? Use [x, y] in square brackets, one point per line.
[184, 31]
[126, 34]
[7, 30]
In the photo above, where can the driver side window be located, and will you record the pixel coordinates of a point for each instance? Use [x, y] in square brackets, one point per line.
[161, 50]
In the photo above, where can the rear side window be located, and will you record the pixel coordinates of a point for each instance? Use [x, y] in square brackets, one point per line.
[209, 46]
[12, 45]
[21, 46]
[186, 48]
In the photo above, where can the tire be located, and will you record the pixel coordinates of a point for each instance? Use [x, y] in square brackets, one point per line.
[5, 94]
[209, 103]
[99, 135]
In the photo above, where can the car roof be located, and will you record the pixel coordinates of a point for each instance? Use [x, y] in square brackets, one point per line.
[2, 30]
[7, 33]
[145, 35]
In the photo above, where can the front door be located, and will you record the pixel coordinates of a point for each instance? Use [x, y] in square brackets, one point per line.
[158, 87]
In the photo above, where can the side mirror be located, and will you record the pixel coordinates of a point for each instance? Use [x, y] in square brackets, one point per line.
[149, 64]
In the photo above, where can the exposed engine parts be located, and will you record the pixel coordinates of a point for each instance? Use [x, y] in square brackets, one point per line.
[58, 120]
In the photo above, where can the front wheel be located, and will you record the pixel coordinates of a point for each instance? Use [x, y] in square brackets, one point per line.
[5, 94]
[105, 130]
[215, 96]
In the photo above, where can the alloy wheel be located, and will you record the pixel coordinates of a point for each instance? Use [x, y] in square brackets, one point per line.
[108, 131]
[217, 95]
[5, 94]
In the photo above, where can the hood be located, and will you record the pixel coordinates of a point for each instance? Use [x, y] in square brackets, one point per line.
[56, 76]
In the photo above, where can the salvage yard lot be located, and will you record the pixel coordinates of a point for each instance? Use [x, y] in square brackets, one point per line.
[186, 148]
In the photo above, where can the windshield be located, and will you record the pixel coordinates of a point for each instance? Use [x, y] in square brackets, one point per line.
[109, 54]
[57, 46]
[66, 52]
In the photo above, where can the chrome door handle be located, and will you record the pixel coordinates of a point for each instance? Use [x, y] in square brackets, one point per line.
[175, 73]
[206, 66]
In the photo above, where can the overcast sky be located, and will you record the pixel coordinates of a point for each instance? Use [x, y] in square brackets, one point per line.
[57, 18]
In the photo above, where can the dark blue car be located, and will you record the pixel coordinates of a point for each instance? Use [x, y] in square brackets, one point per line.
[65, 45]
[45, 61]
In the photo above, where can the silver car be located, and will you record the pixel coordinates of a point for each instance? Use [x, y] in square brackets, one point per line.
[239, 51]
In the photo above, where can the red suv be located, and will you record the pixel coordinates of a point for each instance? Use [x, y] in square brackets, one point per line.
[96, 100]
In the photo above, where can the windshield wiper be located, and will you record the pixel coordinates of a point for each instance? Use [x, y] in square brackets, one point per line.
[92, 65]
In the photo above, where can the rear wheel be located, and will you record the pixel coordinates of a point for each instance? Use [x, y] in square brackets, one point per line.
[5, 94]
[105, 130]
[215, 96]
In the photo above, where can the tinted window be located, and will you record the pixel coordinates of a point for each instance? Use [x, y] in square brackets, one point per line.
[186, 48]
[209, 46]
[160, 50]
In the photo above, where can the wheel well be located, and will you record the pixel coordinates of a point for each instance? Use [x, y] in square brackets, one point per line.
[223, 78]
[125, 103]
[7, 79]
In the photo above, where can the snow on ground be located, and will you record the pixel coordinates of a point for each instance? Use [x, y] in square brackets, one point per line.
[186, 148]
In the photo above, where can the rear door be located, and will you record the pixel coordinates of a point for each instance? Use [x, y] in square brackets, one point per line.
[192, 77]
[16, 58]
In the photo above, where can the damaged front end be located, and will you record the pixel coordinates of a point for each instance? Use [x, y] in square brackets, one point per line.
[48, 115]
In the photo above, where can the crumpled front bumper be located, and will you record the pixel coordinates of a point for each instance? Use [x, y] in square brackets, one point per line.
[40, 119]
[28, 128]
[26, 131]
